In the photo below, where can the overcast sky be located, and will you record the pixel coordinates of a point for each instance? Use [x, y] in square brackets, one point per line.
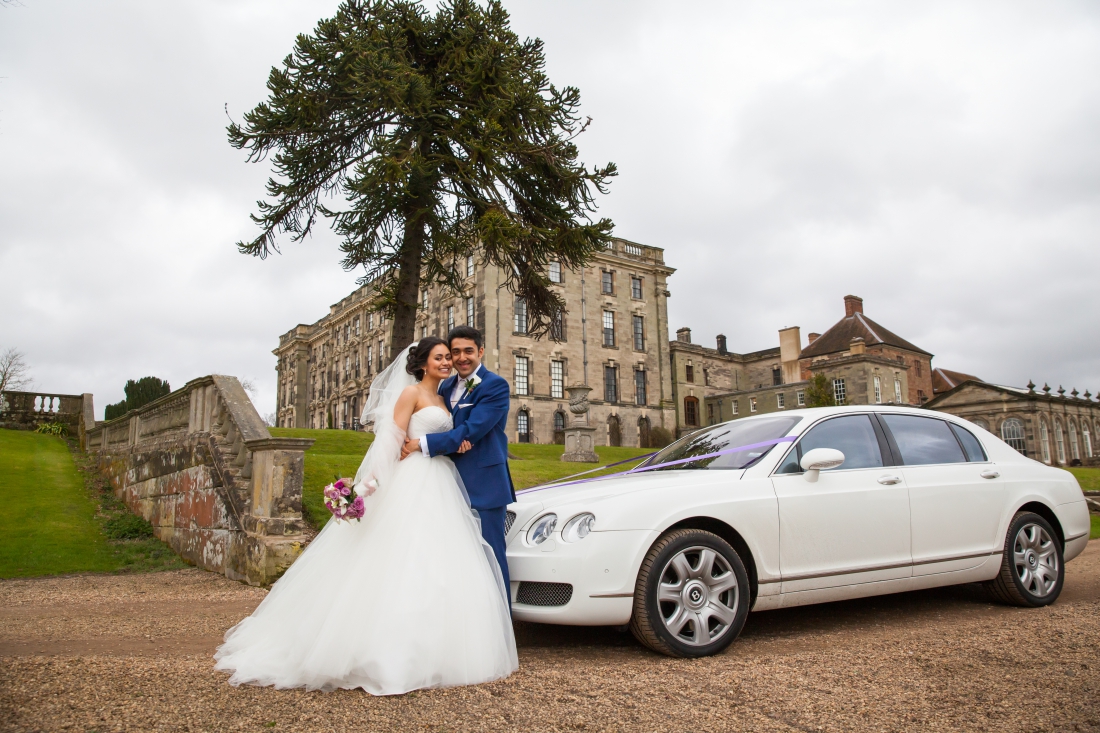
[941, 160]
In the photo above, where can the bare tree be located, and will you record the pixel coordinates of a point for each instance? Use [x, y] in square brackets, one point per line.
[15, 375]
[269, 419]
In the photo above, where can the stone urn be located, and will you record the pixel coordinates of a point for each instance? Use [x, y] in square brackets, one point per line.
[579, 435]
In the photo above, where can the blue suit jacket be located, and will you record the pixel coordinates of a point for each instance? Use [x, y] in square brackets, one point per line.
[480, 417]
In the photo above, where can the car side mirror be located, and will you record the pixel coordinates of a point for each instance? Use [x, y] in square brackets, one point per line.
[818, 460]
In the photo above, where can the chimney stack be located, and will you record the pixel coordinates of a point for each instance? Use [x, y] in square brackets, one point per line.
[811, 337]
[722, 344]
[857, 346]
[683, 335]
[852, 304]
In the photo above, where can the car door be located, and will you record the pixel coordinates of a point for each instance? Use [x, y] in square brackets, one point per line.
[955, 495]
[851, 525]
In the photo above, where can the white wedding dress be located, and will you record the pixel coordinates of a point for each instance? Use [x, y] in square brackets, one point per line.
[410, 597]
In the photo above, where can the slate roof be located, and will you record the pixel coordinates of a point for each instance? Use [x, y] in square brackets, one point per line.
[945, 379]
[839, 337]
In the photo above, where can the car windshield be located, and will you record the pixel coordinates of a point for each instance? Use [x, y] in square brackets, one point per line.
[727, 436]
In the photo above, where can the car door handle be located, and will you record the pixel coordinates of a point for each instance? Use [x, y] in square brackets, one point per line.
[990, 474]
[889, 480]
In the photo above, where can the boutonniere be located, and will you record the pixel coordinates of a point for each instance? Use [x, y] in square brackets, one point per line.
[471, 384]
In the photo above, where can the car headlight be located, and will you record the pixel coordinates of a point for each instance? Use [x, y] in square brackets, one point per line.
[578, 527]
[542, 529]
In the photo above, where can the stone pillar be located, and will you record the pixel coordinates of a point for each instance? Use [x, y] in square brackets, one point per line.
[579, 435]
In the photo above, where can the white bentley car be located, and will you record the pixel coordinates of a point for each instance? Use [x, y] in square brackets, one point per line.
[799, 507]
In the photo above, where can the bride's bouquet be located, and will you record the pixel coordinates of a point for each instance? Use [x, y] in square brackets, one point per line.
[338, 501]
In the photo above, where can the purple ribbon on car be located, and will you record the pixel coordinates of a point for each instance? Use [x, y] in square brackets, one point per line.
[640, 469]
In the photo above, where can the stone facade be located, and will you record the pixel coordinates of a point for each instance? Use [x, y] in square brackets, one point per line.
[864, 362]
[200, 466]
[1056, 429]
[325, 368]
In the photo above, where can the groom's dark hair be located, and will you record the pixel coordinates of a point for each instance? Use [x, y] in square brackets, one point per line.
[466, 332]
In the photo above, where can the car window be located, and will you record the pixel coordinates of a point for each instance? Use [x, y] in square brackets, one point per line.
[852, 435]
[724, 437]
[971, 445]
[924, 440]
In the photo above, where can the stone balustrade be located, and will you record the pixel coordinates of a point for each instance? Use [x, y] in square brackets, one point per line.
[201, 466]
[28, 410]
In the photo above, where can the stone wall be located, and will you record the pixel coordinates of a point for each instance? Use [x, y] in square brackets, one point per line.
[28, 410]
[202, 468]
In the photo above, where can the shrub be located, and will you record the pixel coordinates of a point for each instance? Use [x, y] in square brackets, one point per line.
[52, 428]
[127, 527]
[820, 392]
[659, 437]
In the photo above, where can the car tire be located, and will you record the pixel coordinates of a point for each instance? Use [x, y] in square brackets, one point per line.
[691, 598]
[1032, 568]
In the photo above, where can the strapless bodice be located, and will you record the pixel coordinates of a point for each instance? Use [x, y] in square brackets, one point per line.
[433, 419]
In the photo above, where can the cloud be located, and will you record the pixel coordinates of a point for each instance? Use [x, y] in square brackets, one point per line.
[941, 160]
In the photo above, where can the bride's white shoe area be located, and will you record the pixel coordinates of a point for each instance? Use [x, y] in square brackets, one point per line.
[408, 598]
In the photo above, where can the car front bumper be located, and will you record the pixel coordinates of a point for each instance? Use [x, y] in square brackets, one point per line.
[601, 568]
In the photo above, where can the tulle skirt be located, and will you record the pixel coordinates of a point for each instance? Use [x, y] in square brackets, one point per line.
[411, 597]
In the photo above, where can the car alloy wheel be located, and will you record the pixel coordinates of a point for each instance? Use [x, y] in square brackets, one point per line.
[692, 595]
[1032, 571]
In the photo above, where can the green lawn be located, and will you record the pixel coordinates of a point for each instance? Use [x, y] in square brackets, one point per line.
[1094, 534]
[47, 520]
[1089, 478]
[339, 452]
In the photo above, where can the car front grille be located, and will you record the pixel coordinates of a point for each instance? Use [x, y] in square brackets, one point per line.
[544, 594]
[509, 520]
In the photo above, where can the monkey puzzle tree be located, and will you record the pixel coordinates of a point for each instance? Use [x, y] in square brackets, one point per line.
[443, 137]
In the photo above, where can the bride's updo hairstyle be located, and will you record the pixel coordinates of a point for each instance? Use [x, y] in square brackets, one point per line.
[419, 353]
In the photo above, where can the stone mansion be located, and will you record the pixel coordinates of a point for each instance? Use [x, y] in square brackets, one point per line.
[613, 337]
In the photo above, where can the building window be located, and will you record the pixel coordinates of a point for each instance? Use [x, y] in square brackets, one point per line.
[777, 376]
[424, 331]
[1086, 438]
[559, 427]
[614, 431]
[917, 362]
[370, 357]
[557, 326]
[450, 318]
[639, 333]
[839, 391]
[347, 367]
[610, 384]
[609, 328]
[1044, 440]
[897, 391]
[710, 413]
[370, 321]
[781, 400]
[1012, 432]
[521, 375]
[381, 355]
[424, 298]
[555, 272]
[469, 311]
[878, 391]
[636, 287]
[752, 404]
[469, 265]
[1073, 450]
[557, 379]
[607, 283]
[519, 321]
[800, 398]
[921, 399]
[357, 365]
[691, 411]
[357, 327]
[706, 377]
[523, 426]
[689, 373]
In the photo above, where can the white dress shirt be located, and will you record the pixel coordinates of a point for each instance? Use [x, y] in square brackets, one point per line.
[456, 394]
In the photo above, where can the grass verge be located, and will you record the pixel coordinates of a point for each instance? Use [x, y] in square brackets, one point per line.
[1094, 533]
[1089, 478]
[339, 453]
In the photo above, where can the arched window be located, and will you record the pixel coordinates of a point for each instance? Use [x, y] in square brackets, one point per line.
[1074, 451]
[981, 423]
[691, 411]
[1086, 438]
[523, 426]
[643, 433]
[1044, 440]
[559, 427]
[1059, 442]
[1012, 432]
[614, 432]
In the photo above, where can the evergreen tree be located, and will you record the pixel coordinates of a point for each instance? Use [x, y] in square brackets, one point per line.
[820, 392]
[138, 393]
[444, 137]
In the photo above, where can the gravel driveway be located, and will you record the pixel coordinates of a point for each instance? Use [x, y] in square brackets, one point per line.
[108, 653]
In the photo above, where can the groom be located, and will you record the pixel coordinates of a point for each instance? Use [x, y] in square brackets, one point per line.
[478, 445]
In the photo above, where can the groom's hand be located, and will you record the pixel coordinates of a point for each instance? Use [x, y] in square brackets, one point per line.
[466, 445]
[412, 445]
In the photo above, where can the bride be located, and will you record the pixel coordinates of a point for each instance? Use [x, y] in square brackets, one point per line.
[411, 596]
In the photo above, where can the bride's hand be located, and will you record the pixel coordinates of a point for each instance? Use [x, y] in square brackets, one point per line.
[466, 445]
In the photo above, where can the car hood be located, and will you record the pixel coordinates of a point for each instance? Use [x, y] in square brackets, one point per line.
[604, 488]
